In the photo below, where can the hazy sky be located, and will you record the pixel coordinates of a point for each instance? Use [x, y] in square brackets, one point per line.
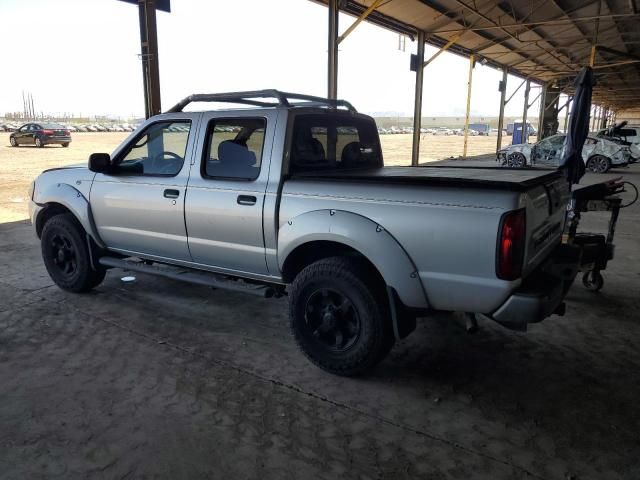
[81, 56]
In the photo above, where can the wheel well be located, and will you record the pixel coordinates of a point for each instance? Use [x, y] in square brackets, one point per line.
[50, 210]
[311, 252]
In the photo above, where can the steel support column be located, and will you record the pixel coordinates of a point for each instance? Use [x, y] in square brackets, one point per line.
[149, 57]
[417, 104]
[472, 61]
[503, 94]
[332, 57]
[525, 128]
[541, 112]
[568, 112]
[549, 109]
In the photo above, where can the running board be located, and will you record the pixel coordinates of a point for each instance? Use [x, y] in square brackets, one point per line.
[199, 277]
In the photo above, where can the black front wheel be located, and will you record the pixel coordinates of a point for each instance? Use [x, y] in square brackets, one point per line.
[339, 316]
[13, 142]
[66, 255]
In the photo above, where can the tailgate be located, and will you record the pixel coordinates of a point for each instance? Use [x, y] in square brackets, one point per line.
[546, 207]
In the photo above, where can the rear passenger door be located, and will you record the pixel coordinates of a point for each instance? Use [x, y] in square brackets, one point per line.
[226, 192]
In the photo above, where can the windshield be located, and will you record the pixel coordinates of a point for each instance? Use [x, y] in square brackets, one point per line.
[334, 142]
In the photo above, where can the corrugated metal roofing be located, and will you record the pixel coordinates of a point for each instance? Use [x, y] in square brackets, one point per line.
[546, 40]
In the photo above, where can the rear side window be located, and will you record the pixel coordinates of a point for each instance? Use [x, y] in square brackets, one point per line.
[333, 142]
[234, 148]
[626, 132]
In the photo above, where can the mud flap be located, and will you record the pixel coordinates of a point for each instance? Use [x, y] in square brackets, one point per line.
[404, 321]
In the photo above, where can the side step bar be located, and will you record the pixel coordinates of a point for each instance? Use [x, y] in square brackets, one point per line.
[199, 277]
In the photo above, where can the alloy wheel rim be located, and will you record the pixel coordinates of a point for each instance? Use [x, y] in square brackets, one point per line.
[332, 320]
[514, 160]
[63, 254]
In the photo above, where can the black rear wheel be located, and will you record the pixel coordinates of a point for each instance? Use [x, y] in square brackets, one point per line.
[339, 316]
[65, 144]
[13, 142]
[66, 255]
[39, 143]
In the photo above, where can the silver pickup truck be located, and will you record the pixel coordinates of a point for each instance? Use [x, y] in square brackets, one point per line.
[289, 196]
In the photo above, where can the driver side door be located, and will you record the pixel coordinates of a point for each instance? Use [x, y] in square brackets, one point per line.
[138, 207]
[547, 152]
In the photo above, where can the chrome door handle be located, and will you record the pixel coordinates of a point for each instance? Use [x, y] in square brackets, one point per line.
[171, 193]
[246, 200]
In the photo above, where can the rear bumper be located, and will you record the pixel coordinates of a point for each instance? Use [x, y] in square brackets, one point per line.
[543, 292]
[48, 140]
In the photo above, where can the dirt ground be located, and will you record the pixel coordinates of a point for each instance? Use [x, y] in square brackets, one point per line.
[159, 379]
[19, 166]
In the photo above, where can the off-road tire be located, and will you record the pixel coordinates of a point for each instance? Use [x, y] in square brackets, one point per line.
[65, 230]
[353, 280]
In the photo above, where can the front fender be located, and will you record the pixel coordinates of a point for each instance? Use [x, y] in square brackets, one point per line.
[74, 201]
[363, 235]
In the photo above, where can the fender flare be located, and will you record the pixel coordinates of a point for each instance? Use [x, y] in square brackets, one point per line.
[363, 235]
[72, 199]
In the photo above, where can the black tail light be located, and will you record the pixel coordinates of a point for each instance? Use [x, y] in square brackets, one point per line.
[511, 243]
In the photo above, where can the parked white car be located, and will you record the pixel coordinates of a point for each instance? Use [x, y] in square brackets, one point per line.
[624, 134]
[599, 155]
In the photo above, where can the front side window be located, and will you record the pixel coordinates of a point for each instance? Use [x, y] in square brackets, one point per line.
[234, 148]
[158, 151]
[334, 142]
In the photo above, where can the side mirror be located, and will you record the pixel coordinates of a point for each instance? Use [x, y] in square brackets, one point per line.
[99, 162]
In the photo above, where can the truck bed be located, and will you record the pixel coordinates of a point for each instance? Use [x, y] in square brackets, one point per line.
[521, 179]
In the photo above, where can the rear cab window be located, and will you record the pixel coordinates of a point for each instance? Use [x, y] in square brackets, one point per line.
[233, 148]
[330, 142]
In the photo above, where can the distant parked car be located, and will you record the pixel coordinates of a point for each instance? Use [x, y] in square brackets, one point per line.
[599, 155]
[40, 134]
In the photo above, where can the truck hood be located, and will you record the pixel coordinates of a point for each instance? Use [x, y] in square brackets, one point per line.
[67, 167]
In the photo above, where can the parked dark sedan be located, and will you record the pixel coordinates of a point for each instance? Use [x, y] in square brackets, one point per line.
[40, 134]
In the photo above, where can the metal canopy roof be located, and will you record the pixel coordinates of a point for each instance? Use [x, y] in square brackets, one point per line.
[545, 40]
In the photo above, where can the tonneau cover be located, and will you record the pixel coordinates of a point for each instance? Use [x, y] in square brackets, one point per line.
[520, 179]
